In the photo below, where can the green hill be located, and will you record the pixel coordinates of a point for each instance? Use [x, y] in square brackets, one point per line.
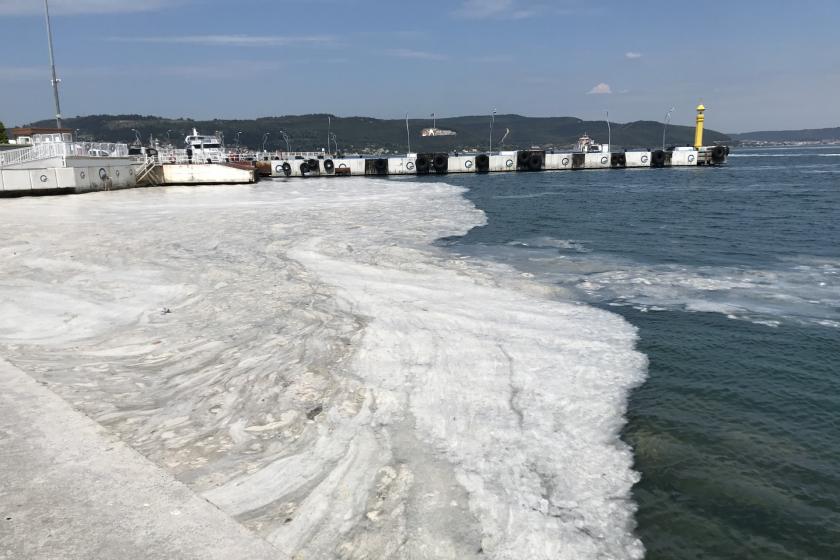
[368, 135]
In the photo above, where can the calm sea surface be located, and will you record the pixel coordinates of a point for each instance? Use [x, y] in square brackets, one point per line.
[732, 277]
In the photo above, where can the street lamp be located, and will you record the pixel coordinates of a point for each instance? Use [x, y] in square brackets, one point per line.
[492, 121]
[265, 139]
[137, 137]
[335, 142]
[665, 127]
[407, 134]
[238, 133]
[609, 131]
[286, 139]
[168, 141]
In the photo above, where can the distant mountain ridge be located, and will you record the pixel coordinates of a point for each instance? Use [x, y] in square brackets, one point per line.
[365, 134]
[804, 135]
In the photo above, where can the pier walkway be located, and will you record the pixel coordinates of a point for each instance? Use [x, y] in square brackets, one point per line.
[73, 491]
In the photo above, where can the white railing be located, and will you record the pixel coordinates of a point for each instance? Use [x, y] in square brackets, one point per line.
[48, 150]
[198, 156]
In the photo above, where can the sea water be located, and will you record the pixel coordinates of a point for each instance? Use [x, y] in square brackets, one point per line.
[300, 354]
[732, 277]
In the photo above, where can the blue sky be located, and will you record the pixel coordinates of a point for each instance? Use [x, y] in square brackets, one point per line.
[756, 65]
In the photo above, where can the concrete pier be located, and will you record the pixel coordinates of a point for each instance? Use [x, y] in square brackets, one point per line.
[71, 490]
[205, 174]
[522, 160]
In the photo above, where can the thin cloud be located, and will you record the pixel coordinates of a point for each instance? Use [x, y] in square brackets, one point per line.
[417, 55]
[600, 89]
[231, 40]
[78, 7]
[23, 73]
[632, 55]
[494, 9]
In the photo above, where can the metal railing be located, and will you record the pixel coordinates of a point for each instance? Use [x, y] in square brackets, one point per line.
[48, 150]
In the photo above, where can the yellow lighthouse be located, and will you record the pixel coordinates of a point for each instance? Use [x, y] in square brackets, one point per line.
[698, 132]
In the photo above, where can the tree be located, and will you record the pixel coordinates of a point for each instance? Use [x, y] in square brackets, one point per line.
[4, 138]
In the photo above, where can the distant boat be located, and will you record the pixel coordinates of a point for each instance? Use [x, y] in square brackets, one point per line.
[586, 145]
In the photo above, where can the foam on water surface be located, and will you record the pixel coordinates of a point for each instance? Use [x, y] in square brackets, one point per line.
[805, 290]
[307, 361]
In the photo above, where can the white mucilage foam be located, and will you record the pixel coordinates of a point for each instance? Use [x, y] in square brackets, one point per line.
[301, 355]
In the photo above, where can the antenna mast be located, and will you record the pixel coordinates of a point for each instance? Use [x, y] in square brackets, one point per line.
[55, 79]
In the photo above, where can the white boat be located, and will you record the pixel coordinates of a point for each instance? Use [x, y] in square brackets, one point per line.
[204, 148]
[586, 145]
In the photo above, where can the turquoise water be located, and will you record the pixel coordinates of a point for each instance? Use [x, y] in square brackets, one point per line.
[732, 277]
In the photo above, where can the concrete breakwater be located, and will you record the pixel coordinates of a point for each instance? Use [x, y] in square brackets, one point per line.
[521, 160]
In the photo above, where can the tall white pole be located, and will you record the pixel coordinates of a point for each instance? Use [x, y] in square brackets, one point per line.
[329, 131]
[407, 133]
[55, 79]
[609, 131]
[665, 127]
[492, 121]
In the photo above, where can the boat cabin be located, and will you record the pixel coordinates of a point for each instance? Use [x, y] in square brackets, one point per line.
[586, 145]
[27, 136]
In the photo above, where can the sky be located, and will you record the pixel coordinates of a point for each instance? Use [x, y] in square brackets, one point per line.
[756, 65]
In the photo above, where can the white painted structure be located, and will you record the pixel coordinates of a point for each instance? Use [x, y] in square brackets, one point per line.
[55, 165]
[503, 161]
[556, 162]
[205, 174]
[637, 159]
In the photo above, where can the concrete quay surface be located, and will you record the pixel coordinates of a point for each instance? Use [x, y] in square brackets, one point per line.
[70, 490]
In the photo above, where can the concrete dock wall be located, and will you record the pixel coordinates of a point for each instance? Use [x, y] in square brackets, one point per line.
[205, 174]
[637, 159]
[554, 162]
[70, 174]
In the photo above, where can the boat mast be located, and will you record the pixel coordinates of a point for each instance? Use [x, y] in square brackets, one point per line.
[55, 79]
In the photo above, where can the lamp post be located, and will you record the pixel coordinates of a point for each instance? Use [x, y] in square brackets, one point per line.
[609, 131]
[55, 80]
[286, 139]
[407, 134]
[137, 137]
[665, 127]
[335, 142]
[265, 139]
[492, 121]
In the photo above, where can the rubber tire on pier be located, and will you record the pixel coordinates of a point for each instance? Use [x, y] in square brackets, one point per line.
[658, 158]
[287, 169]
[578, 161]
[421, 164]
[441, 163]
[618, 160]
[522, 159]
[482, 163]
[535, 161]
[718, 154]
[304, 168]
[329, 166]
[381, 166]
[313, 166]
